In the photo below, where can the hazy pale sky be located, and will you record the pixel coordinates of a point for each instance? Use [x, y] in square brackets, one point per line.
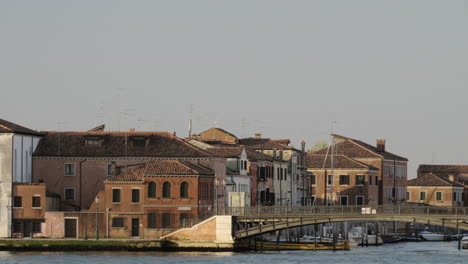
[396, 70]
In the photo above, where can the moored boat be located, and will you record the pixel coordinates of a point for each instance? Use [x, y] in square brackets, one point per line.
[430, 236]
[464, 242]
[269, 245]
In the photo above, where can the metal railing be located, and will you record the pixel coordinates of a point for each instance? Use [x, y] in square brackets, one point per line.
[262, 211]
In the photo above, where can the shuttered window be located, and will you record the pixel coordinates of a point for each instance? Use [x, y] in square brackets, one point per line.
[151, 220]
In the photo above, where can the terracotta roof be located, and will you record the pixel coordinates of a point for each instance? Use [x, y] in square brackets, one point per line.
[257, 156]
[339, 162]
[432, 180]
[116, 144]
[358, 149]
[9, 127]
[264, 144]
[162, 167]
[221, 130]
[226, 152]
[424, 168]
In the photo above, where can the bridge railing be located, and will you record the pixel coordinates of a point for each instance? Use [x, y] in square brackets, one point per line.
[345, 210]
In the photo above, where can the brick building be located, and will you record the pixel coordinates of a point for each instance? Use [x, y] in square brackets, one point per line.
[346, 182]
[29, 205]
[432, 189]
[75, 165]
[151, 199]
[392, 169]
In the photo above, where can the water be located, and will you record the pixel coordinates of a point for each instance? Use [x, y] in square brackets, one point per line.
[413, 253]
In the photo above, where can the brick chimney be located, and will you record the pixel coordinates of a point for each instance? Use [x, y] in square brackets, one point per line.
[258, 135]
[381, 145]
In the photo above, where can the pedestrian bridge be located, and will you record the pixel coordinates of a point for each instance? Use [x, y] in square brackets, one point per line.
[252, 221]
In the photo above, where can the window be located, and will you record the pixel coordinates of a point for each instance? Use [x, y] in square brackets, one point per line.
[422, 196]
[17, 227]
[438, 196]
[285, 174]
[135, 195]
[370, 180]
[151, 190]
[344, 180]
[166, 220]
[312, 200]
[109, 169]
[184, 190]
[36, 226]
[359, 200]
[166, 190]
[360, 180]
[18, 201]
[312, 179]
[139, 142]
[408, 196]
[70, 169]
[245, 164]
[455, 196]
[330, 180]
[344, 200]
[93, 142]
[118, 222]
[36, 202]
[151, 220]
[116, 195]
[69, 194]
[376, 180]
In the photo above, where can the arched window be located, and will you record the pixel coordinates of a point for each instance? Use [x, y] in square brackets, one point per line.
[152, 190]
[184, 190]
[166, 190]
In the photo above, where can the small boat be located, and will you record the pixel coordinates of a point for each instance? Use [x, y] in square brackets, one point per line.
[269, 245]
[430, 236]
[357, 237]
[464, 242]
[392, 239]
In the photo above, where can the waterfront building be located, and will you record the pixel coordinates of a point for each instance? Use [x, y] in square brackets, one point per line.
[17, 143]
[29, 206]
[74, 165]
[151, 199]
[436, 190]
[392, 169]
[291, 180]
[453, 173]
[342, 181]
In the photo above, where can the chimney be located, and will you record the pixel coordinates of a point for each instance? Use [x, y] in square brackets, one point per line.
[303, 146]
[175, 134]
[451, 178]
[381, 145]
[113, 168]
[274, 153]
[132, 129]
[258, 135]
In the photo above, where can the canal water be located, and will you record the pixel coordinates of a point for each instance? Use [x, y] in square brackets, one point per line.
[411, 253]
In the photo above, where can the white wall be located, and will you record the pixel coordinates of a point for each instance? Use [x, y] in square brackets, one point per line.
[6, 161]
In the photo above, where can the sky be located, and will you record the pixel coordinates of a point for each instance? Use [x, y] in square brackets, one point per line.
[396, 70]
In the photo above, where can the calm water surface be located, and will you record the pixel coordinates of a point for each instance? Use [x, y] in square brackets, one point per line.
[412, 253]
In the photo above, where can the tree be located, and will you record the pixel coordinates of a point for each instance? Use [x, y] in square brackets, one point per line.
[318, 146]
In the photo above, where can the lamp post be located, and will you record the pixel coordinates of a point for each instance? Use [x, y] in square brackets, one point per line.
[97, 211]
[216, 196]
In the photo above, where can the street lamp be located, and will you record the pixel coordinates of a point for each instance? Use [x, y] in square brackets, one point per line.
[97, 211]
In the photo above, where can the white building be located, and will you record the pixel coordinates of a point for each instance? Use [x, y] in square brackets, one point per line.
[17, 144]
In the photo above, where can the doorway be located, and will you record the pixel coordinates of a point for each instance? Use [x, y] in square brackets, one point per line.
[135, 227]
[71, 225]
